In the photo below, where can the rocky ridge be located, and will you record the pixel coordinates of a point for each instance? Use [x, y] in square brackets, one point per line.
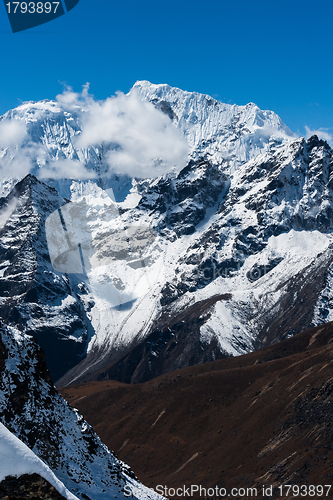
[34, 412]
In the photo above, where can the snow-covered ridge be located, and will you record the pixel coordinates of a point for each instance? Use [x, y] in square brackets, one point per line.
[49, 138]
[229, 132]
[39, 417]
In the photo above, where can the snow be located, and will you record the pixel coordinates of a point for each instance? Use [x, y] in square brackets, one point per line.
[17, 459]
[323, 312]
[234, 133]
[72, 454]
[131, 200]
[130, 251]
[296, 249]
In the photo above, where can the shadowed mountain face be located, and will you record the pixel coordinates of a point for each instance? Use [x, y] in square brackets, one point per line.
[32, 410]
[33, 296]
[264, 418]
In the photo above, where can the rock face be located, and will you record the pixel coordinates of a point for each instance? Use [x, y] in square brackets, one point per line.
[249, 218]
[34, 412]
[33, 296]
[30, 486]
[266, 245]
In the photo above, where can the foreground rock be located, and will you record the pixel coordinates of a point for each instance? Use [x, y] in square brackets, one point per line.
[31, 486]
[34, 412]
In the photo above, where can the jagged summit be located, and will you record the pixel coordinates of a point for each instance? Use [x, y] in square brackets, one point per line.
[224, 131]
[229, 133]
[29, 108]
[35, 186]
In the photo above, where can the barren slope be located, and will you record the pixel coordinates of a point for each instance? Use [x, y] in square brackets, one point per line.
[261, 418]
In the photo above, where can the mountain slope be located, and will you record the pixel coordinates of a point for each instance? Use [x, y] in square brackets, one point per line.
[258, 419]
[36, 414]
[265, 245]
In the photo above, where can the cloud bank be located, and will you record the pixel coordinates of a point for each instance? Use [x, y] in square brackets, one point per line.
[15, 159]
[63, 169]
[12, 133]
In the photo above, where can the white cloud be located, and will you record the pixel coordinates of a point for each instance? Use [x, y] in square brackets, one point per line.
[71, 98]
[62, 169]
[12, 132]
[17, 152]
[16, 164]
[7, 211]
[137, 139]
[141, 140]
[320, 133]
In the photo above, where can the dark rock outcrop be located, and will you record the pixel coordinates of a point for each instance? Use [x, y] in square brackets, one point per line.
[28, 486]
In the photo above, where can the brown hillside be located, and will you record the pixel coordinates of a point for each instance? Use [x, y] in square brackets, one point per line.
[263, 418]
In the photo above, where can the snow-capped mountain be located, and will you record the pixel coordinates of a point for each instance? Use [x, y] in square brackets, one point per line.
[253, 270]
[43, 136]
[40, 433]
[229, 134]
[228, 253]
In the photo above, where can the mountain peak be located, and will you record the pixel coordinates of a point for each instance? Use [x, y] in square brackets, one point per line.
[37, 192]
[223, 131]
[314, 142]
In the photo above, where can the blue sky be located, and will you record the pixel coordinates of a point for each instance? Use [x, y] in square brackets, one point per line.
[276, 54]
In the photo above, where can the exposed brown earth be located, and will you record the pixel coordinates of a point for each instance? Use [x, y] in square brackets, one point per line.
[260, 419]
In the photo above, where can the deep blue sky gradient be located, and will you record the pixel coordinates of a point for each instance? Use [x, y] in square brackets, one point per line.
[276, 54]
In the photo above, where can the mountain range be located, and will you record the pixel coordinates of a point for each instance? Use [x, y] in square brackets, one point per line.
[205, 262]
[130, 277]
